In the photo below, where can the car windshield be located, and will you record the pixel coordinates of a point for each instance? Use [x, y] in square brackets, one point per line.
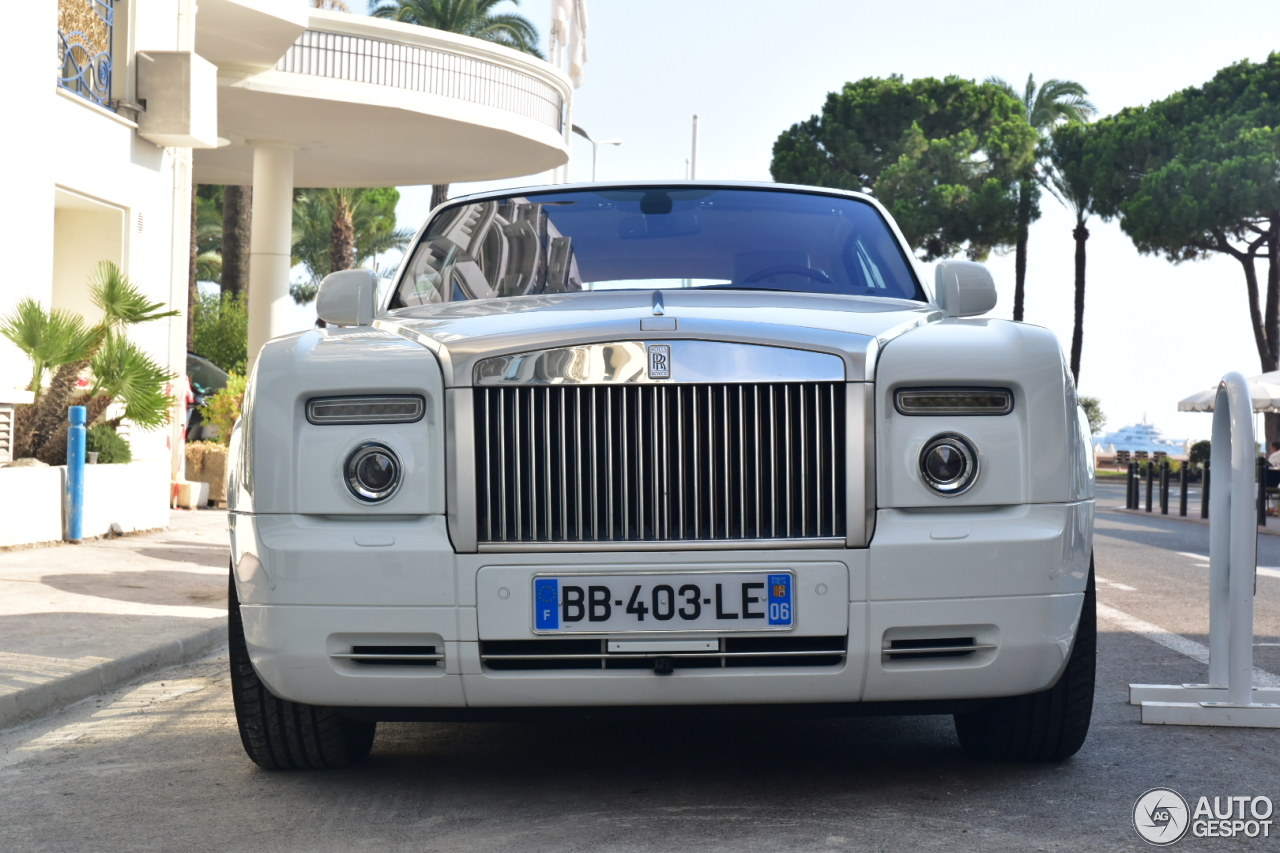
[656, 237]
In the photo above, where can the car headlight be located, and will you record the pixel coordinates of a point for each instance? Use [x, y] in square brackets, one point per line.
[372, 472]
[949, 464]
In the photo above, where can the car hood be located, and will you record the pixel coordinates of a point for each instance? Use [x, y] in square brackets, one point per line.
[852, 327]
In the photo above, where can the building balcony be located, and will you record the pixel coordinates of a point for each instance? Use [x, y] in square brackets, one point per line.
[367, 102]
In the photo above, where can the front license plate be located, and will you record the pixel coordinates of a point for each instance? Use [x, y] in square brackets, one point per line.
[699, 601]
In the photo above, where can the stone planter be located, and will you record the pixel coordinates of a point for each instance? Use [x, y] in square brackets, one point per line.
[207, 463]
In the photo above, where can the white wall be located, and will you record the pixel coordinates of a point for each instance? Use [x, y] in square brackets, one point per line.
[134, 496]
[84, 175]
[92, 190]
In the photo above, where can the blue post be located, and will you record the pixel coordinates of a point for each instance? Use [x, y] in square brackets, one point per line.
[75, 475]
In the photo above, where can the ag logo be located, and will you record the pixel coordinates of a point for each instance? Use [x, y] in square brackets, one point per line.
[1161, 816]
[659, 361]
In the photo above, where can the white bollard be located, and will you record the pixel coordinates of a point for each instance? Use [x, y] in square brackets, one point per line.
[1229, 699]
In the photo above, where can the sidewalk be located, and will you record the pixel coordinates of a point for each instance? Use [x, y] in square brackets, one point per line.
[78, 619]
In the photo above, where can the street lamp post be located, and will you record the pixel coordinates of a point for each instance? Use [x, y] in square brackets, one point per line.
[595, 147]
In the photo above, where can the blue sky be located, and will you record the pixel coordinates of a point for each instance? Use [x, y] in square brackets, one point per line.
[1154, 332]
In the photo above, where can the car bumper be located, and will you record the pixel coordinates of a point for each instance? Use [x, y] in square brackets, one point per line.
[1009, 582]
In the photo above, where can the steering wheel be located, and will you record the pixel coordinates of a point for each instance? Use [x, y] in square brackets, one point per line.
[788, 269]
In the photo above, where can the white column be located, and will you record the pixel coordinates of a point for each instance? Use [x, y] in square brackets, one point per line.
[270, 244]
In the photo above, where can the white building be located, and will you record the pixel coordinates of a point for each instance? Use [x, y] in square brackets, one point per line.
[264, 92]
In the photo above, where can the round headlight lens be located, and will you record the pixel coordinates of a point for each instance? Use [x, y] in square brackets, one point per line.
[372, 472]
[949, 464]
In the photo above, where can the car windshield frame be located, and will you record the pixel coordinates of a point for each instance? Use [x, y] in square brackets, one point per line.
[718, 236]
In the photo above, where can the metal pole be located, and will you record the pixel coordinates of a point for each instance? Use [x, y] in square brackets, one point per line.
[693, 160]
[595, 158]
[1131, 495]
[1182, 490]
[1204, 492]
[1164, 486]
[1151, 480]
[75, 474]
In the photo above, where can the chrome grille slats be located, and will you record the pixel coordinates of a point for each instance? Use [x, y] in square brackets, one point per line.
[748, 462]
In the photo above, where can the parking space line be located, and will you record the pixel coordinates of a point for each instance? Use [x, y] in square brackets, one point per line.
[1115, 585]
[1265, 571]
[1176, 642]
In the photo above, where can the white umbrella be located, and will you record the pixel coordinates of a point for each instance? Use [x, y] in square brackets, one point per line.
[1265, 390]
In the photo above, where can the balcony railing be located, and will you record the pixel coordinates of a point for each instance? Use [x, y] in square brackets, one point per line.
[84, 48]
[422, 69]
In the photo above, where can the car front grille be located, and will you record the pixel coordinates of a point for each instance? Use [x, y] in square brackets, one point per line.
[592, 654]
[660, 463]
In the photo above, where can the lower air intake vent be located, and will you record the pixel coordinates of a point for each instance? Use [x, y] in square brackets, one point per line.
[730, 652]
[934, 647]
[392, 655]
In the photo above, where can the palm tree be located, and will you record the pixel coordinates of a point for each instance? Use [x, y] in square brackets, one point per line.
[121, 371]
[1054, 103]
[473, 18]
[1072, 183]
[337, 229]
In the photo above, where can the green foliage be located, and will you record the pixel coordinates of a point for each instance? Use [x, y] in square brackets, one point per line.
[1199, 454]
[1069, 171]
[128, 375]
[466, 17]
[373, 219]
[208, 233]
[1201, 162]
[1051, 104]
[1196, 173]
[50, 339]
[108, 444]
[944, 156]
[222, 409]
[1093, 411]
[222, 330]
[121, 301]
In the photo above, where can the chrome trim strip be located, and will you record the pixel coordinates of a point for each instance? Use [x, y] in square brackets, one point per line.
[460, 468]
[701, 361]
[828, 653]
[671, 545]
[375, 657]
[860, 462]
[933, 650]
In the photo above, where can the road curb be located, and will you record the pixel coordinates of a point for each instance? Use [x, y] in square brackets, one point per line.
[39, 700]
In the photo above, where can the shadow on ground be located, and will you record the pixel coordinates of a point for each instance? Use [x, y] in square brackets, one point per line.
[152, 586]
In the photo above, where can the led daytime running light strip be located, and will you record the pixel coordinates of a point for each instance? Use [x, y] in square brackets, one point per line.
[954, 401]
[365, 410]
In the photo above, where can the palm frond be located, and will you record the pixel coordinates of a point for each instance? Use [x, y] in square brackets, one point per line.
[122, 303]
[473, 18]
[50, 339]
[127, 374]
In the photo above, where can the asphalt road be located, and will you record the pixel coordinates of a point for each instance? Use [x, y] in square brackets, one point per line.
[159, 766]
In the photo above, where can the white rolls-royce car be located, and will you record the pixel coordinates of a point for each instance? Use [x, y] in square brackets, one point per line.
[660, 449]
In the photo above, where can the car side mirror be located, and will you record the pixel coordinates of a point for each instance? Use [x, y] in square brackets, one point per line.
[347, 297]
[964, 288]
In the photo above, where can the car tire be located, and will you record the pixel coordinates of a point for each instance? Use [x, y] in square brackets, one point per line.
[1047, 726]
[282, 735]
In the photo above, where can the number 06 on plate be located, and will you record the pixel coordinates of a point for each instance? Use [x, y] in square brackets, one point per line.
[646, 603]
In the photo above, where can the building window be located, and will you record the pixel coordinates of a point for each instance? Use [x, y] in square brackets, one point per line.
[84, 48]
